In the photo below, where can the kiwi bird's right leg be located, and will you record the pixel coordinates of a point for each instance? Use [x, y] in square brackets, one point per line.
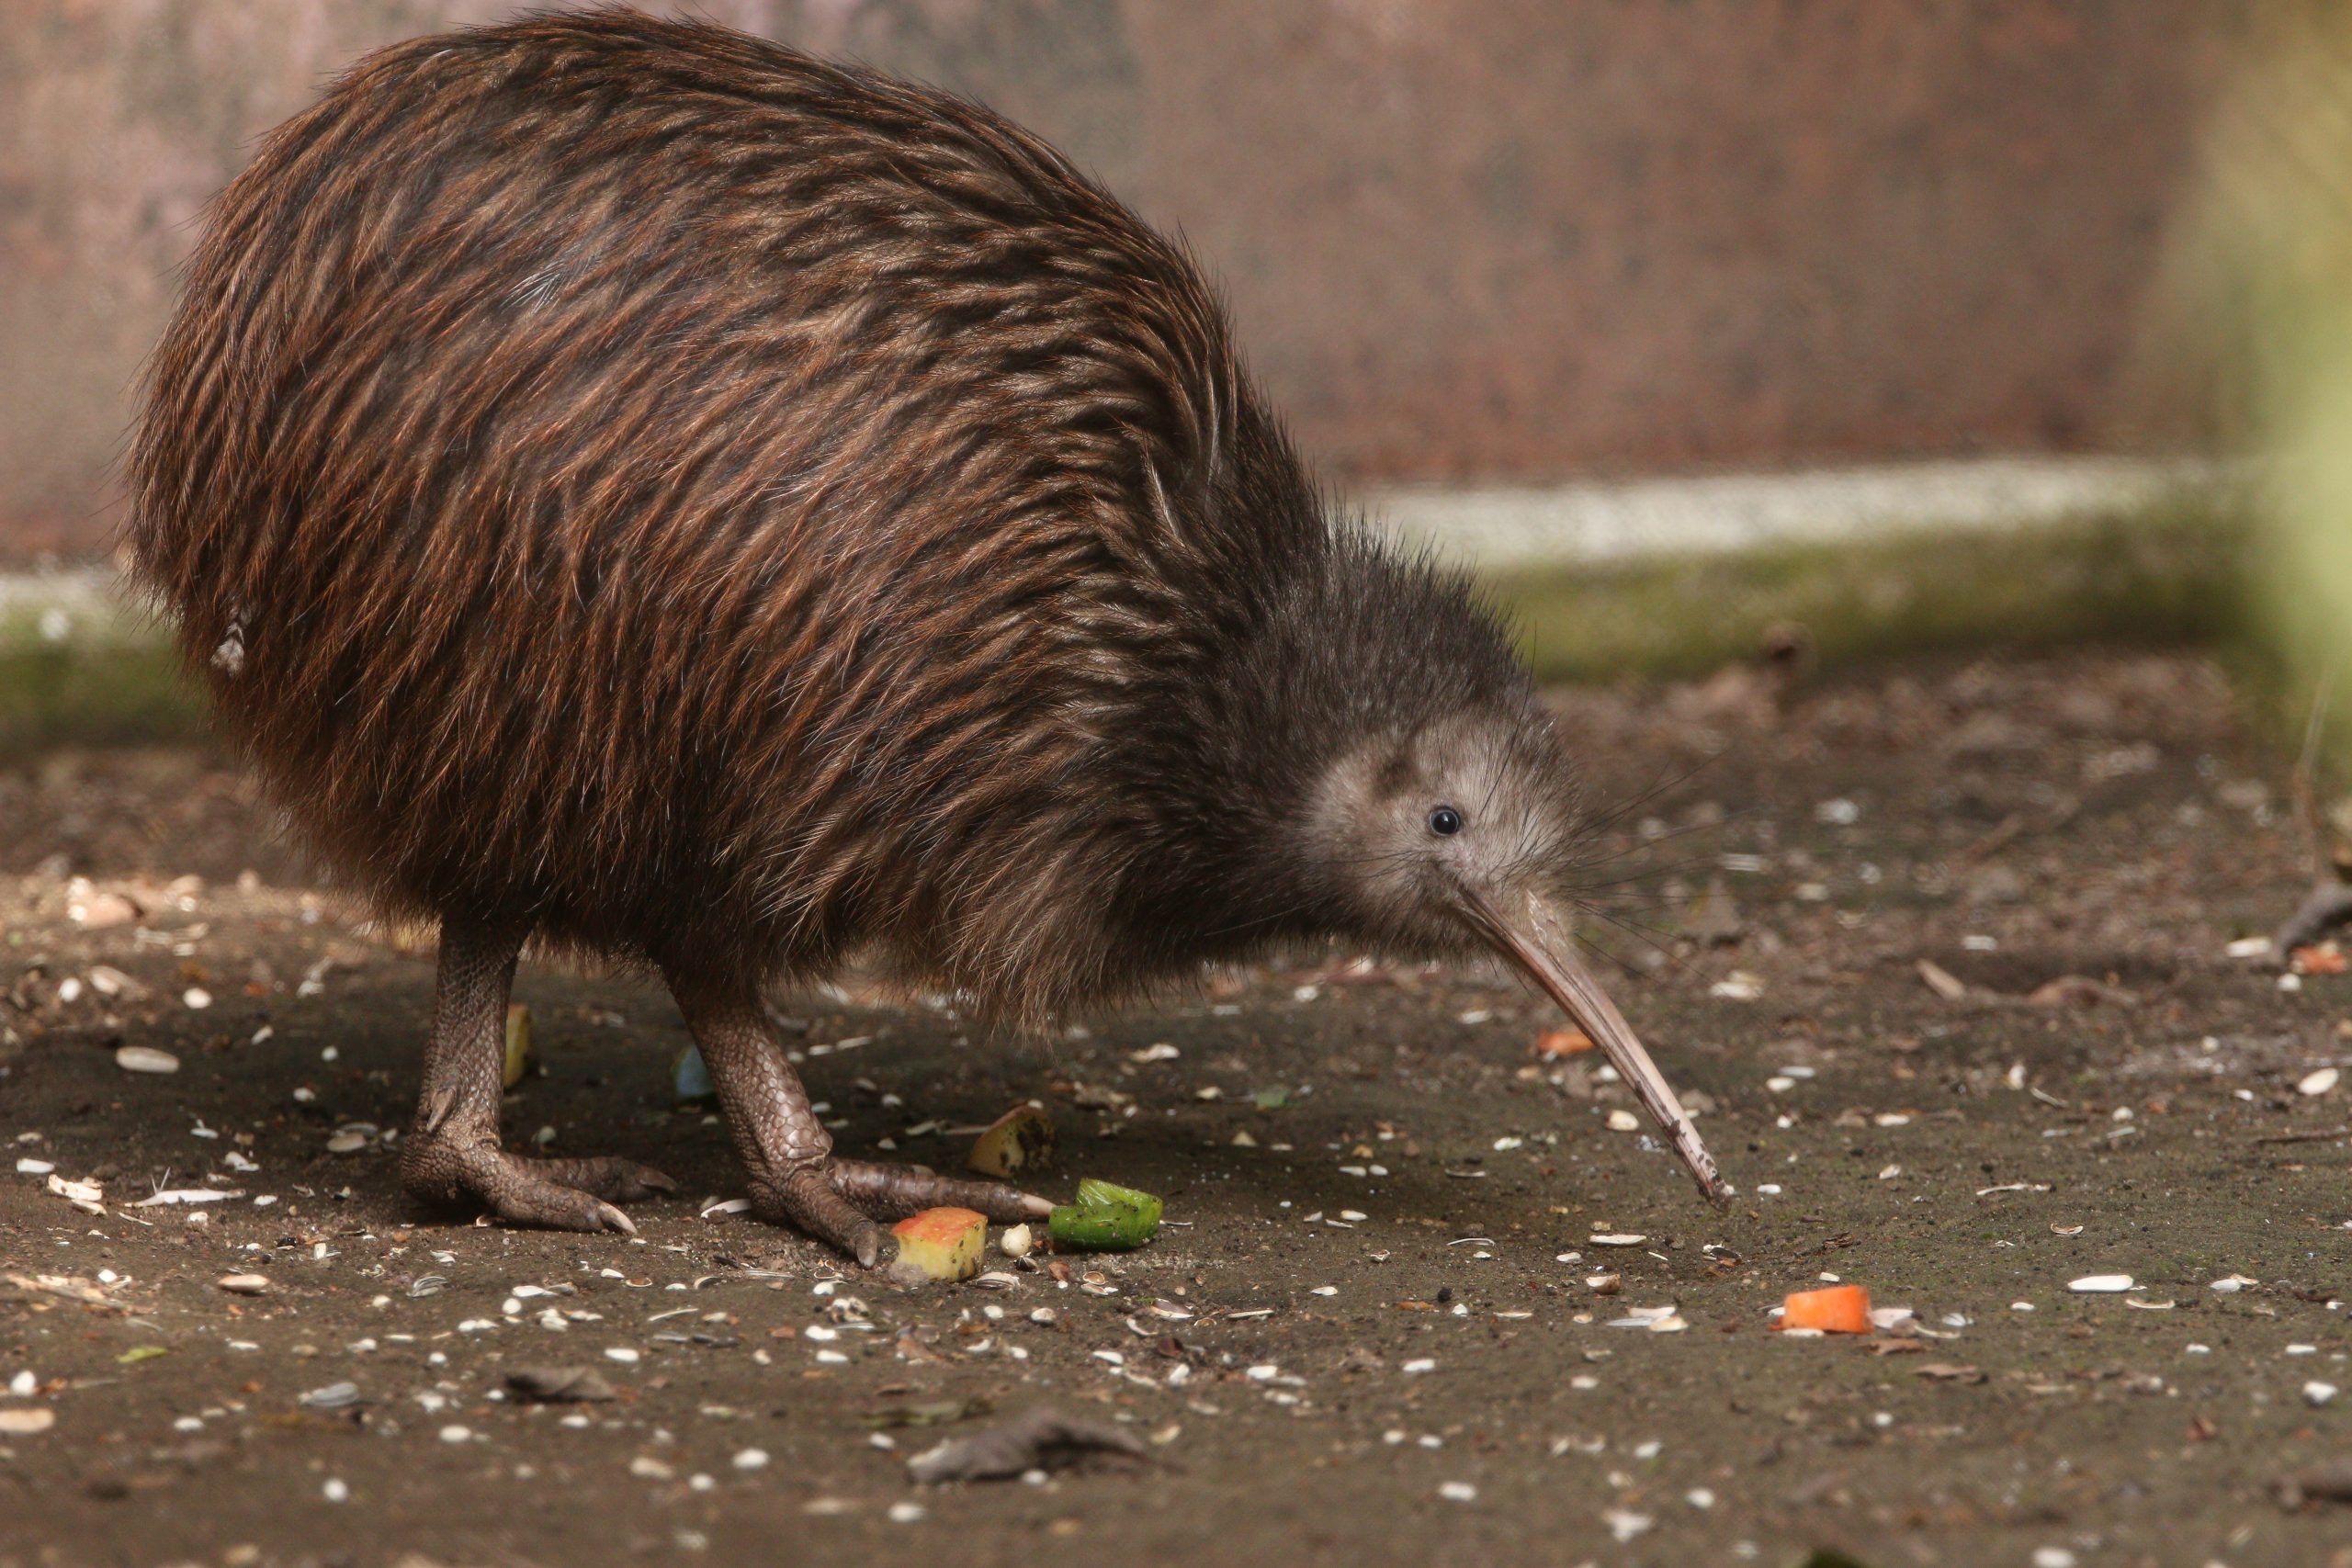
[796, 1180]
[451, 1154]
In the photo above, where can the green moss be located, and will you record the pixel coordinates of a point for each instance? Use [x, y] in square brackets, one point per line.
[111, 679]
[2172, 576]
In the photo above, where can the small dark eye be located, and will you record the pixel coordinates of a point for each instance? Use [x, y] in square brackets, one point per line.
[1445, 822]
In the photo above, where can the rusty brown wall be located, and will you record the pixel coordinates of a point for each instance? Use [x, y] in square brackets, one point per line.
[1465, 238]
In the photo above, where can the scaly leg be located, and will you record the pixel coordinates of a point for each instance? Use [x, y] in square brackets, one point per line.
[796, 1180]
[451, 1153]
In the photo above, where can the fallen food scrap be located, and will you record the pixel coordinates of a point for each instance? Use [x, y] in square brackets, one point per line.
[1020, 1139]
[1561, 1042]
[519, 1060]
[1037, 1438]
[1105, 1218]
[1841, 1309]
[940, 1243]
[936, 1413]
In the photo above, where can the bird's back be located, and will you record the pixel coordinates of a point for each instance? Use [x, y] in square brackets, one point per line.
[636, 477]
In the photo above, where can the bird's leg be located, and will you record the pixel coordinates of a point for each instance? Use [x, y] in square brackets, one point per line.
[794, 1180]
[451, 1154]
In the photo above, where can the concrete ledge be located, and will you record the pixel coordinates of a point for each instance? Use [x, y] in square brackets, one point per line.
[1653, 577]
[1665, 576]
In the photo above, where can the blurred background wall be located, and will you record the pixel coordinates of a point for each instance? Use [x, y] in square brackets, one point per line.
[1489, 240]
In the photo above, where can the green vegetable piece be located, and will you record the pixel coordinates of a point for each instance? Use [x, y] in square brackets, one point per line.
[1093, 1194]
[1106, 1218]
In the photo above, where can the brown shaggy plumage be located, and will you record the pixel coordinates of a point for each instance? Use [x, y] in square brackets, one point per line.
[709, 506]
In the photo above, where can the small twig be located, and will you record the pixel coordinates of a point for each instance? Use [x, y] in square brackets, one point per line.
[2306, 768]
[2328, 906]
[2320, 1137]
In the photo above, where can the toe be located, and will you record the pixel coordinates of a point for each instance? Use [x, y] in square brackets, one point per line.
[802, 1200]
[897, 1190]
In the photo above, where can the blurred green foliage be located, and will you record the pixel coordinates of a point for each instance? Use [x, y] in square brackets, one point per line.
[2256, 306]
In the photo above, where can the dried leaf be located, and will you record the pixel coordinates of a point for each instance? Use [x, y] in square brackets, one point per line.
[1037, 1438]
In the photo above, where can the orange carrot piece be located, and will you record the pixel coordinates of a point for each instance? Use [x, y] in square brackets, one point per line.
[1841, 1309]
[1561, 1042]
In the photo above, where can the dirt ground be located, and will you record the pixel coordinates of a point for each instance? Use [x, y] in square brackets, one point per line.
[1367, 1335]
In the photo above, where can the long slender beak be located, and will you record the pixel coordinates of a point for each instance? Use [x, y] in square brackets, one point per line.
[1538, 941]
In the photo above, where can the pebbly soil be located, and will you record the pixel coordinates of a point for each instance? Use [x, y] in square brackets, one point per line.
[1432, 1382]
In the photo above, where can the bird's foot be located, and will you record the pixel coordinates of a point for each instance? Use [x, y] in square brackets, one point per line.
[575, 1195]
[838, 1201]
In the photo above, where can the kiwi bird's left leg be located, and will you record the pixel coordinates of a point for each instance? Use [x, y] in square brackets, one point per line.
[796, 1180]
[451, 1154]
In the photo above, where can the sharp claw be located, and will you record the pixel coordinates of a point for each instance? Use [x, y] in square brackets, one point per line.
[1036, 1207]
[869, 1248]
[656, 1180]
[614, 1220]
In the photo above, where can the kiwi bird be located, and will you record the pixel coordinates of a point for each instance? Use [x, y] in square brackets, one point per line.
[632, 486]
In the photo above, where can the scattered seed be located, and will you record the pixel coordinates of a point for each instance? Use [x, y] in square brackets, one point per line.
[245, 1284]
[2319, 1082]
[145, 1059]
[2101, 1284]
[1625, 1525]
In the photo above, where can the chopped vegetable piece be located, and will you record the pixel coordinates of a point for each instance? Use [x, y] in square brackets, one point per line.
[1106, 1218]
[1020, 1139]
[1841, 1309]
[940, 1243]
[519, 1060]
[1561, 1042]
[1092, 1191]
[690, 1078]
